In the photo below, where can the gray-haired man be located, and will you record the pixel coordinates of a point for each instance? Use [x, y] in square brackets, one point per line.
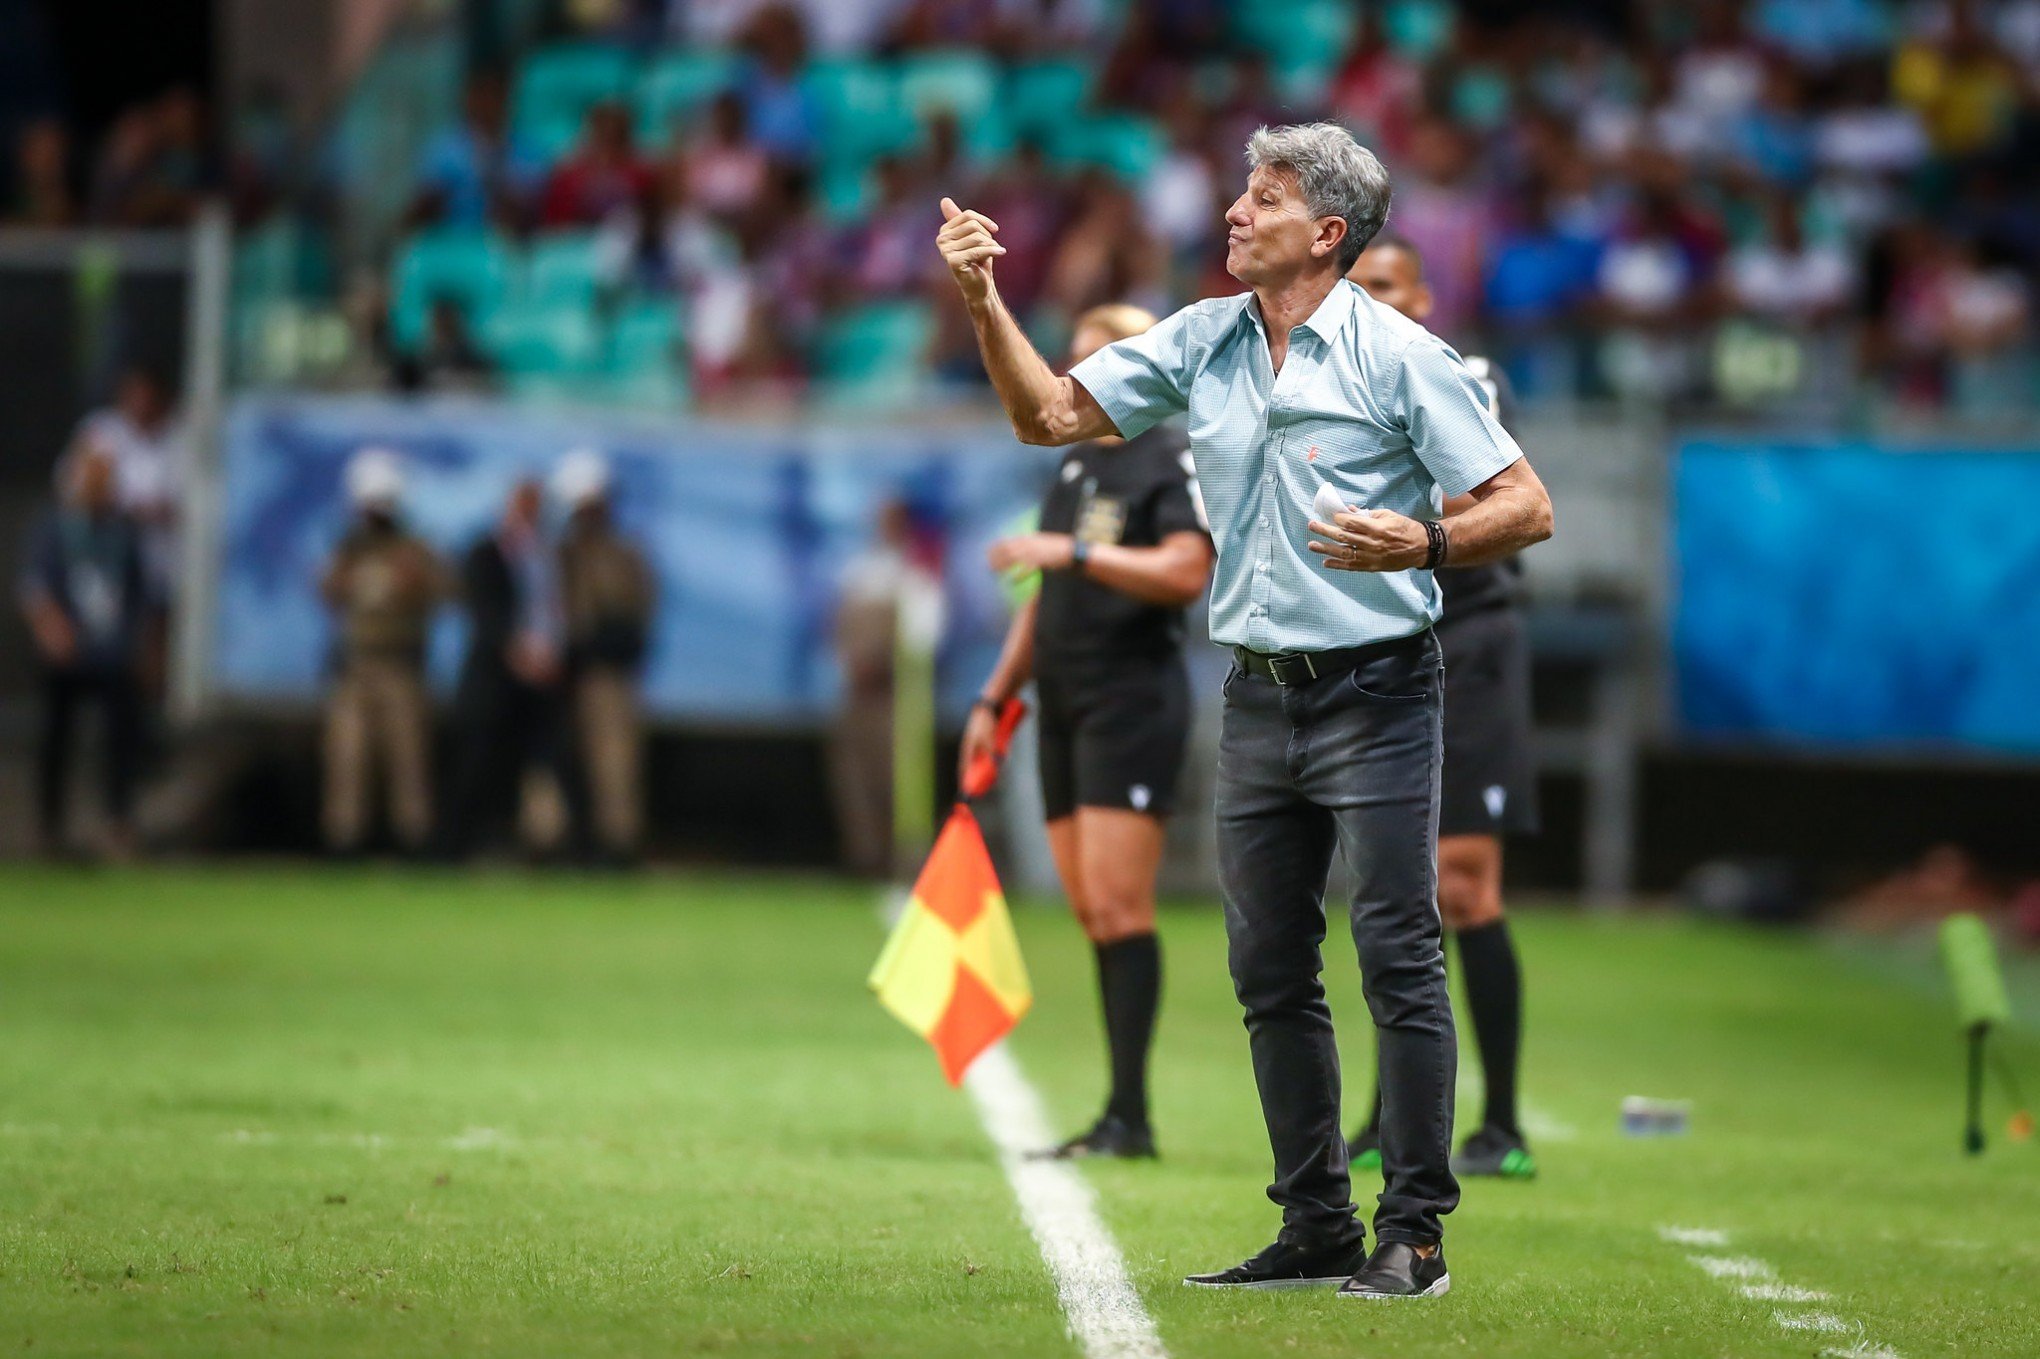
[1305, 391]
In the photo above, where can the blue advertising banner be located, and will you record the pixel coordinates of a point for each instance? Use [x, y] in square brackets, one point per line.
[748, 528]
[1855, 596]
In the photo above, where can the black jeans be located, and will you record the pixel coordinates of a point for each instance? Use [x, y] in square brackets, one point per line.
[118, 697]
[1351, 759]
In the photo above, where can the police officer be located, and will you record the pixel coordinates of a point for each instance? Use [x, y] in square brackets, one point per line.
[383, 583]
[1123, 550]
[1489, 788]
[607, 590]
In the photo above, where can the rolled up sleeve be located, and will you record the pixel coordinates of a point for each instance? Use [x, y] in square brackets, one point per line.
[1142, 380]
[1450, 419]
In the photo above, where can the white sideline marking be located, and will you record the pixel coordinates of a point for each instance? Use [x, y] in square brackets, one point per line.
[1105, 1314]
[1777, 1292]
[1763, 1286]
[1099, 1303]
[1823, 1322]
[1541, 1126]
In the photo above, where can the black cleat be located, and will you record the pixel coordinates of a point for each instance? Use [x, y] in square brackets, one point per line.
[1283, 1265]
[1496, 1153]
[1395, 1270]
[1111, 1137]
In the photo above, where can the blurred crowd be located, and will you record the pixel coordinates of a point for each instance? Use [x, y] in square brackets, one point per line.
[1662, 201]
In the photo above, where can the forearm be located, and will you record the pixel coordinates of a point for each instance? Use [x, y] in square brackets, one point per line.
[1038, 402]
[1168, 575]
[1497, 526]
[1016, 657]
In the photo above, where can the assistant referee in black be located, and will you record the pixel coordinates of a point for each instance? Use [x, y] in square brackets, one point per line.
[1123, 550]
[1489, 786]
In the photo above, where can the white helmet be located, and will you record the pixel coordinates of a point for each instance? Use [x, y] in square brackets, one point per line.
[375, 478]
[581, 478]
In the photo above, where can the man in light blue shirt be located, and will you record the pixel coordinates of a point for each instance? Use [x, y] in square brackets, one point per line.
[1328, 431]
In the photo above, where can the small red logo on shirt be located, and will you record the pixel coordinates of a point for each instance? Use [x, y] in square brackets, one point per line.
[1312, 455]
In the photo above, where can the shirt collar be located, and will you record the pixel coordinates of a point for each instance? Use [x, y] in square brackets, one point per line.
[1326, 322]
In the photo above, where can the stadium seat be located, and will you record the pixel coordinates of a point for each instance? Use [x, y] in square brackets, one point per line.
[964, 82]
[863, 115]
[543, 338]
[678, 85]
[646, 365]
[1124, 143]
[1042, 95]
[876, 354]
[558, 85]
[472, 268]
[563, 268]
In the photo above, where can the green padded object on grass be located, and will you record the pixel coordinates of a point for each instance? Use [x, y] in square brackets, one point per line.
[1970, 956]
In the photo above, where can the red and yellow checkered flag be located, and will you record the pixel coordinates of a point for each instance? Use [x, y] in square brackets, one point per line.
[952, 971]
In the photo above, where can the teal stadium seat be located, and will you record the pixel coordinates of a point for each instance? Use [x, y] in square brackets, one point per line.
[862, 113]
[546, 339]
[1127, 145]
[675, 90]
[646, 364]
[876, 354]
[1043, 95]
[1304, 40]
[965, 83]
[473, 268]
[563, 268]
[557, 86]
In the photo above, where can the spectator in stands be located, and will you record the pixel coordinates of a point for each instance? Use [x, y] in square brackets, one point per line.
[1964, 87]
[40, 194]
[1046, 28]
[140, 434]
[510, 720]
[477, 171]
[609, 594]
[725, 169]
[779, 109]
[886, 256]
[96, 621]
[1781, 276]
[384, 585]
[1106, 253]
[448, 360]
[151, 169]
[602, 175]
[1378, 90]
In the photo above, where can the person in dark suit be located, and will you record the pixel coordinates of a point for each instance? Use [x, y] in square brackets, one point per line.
[510, 713]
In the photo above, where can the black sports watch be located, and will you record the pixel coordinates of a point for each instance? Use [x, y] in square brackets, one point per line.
[1080, 552]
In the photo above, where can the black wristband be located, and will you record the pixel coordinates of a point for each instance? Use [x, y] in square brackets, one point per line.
[987, 704]
[1080, 552]
[1434, 555]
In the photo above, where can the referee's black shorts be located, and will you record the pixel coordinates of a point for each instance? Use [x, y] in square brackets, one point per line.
[1490, 779]
[1112, 735]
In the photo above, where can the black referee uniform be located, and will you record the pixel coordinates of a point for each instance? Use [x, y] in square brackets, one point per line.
[1108, 668]
[1114, 717]
[1490, 783]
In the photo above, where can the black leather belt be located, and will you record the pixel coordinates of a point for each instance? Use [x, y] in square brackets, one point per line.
[1301, 667]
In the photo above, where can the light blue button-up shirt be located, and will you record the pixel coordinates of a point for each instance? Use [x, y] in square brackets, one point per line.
[1367, 401]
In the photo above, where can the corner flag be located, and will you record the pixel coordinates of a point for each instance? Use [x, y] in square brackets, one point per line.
[952, 971]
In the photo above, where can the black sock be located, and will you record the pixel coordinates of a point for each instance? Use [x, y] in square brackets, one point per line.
[1130, 982]
[1494, 997]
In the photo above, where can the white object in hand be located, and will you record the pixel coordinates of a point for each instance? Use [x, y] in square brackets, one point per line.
[1327, 504]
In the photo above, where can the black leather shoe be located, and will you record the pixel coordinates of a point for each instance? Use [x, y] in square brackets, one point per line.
[1283, 1265]
[1108, 1137]
[1395, 1270]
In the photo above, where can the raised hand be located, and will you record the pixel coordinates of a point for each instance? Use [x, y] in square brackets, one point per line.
[967, 247]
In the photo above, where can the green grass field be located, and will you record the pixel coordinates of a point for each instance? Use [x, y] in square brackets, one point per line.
[323, 1113]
